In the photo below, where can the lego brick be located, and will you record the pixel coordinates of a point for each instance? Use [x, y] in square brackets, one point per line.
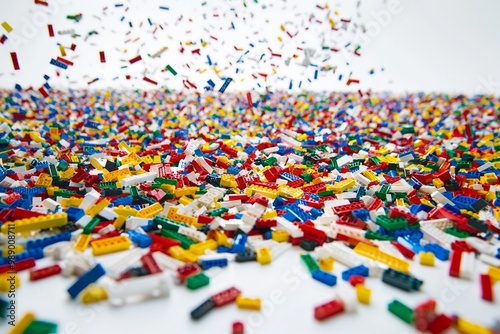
[35, 223]
[110, 245]
[89, 277]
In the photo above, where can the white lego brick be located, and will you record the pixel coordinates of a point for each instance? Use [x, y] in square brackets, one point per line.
[345, 255]
[489, 260]
[83, 221]
[131, 223]
[434, 234]
[89, 200]
[126, 262]
[192, 233]
[166, 262]
[349, 299]
[440, 198]
[291, 229]
[50, 204]
[482, 246]
[230, 204]
[108, 214]
[442, 223]
[467, 265]
[106, 229]
[138, 288]
[136, 179]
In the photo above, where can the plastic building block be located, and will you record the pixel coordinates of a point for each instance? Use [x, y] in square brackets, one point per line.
[203, 309]
[359, 270]
[324, 277]
[18, 266]
[363, 294]
[356, 279]
[440, 324]
[150, 264]
[438, 251]
[142, 240]
[83, 242]
[237, 328]
[134, 288]
[328, 310]
[93, 294]
[426, 259]
[402, 311]
[248, 303]
[401, 280]
[264, 256]
[197, 281]
[89, 277]
[309, 262]
[220, 262]
[36, 223]
[23, 323]
[37, 327]
[326, 264]
[377, 255]
[486, 287]
[110, 245]
[246, 256]
[225, 297]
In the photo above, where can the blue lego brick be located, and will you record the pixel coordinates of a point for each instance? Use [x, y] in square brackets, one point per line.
[239, 243]
[36, 253]
[142, 240]
[324, 277]
[441, 253]
[452, 208]
[85, 280]
[223, 249]
[250, 149]
[53, 239]
[401, 280]
[123, 201]
[464, 202]
[268, 235]
[362, 214]
[279, 203]
[359, 270]
[29, 191]
[233, 170]
[288, 176]
[74, 213]
[415, 208]
[207, 264]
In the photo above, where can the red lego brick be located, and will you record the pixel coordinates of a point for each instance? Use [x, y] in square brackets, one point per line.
[265, 223]
[296, 183]
[425, 313]
[150, 264]
[462, 246]
[238, 328]
[456, 258]
[356, 279]
[225, 297]
[205, 219]
[18, 266]
[408, 253]
[328, 310]
[486, 287]
[397, 212]
[187, 270]
[376, 204]
[313, 234]
[351, 221]
[440, 324]
[41, 273]
[348, 208]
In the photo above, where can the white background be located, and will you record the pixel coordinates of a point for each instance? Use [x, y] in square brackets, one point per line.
[288, 294]
[445, 46]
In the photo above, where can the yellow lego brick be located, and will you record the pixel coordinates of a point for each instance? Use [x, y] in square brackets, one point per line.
[132, 159]
[96, 164]
[44, 180]
[374, 253]
[125, 211]
[490, 196]
[17, 250]
[264, 255]
[279, 236]
[6, 26]
[190, 257]
[75, 201]
[228, 181]
[427, 259]
[185, 200]
[287, 191]
[200, 248]
[437, 183]
[269, 214]
[150, 211]
[177, 252]
[125, 147]
[326, 264]
[426, 202]
[186, 191]
[467, 327]
[74, 159]
[470, 213]
[110, 245]
[67, 174]
[363, 294]
[50, 190]
[248, 303]
[340, 187]
[94, 210]
[172, 214]
[119, 221]
[370, 175]
[93, 294]
[83, 242]
[7, 280]
[220, 237]
[268, 192]
[494, 274]
[22, 324]
[54, 134]
[147, 159]
[35, 223]
[489, 178]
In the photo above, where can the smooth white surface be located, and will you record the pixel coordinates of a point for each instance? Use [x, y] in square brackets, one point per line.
[444, 46]
[288, 293]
